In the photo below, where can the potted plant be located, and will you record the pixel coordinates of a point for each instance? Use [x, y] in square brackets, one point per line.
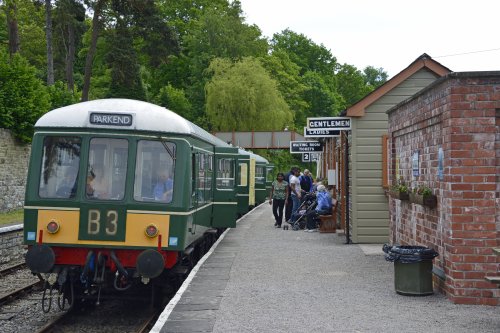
[422, 195]
[400, 191]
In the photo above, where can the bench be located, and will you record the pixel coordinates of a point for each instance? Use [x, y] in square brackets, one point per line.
[328, 223]
[494, 279]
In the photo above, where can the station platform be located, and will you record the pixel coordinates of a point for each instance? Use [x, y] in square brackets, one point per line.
[258, 278]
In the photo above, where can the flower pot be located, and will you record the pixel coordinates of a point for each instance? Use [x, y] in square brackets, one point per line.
[403, 196]
[430, 201]
[417, 198]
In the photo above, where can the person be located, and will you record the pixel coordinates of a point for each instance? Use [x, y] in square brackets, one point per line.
[163, 188]
[278, 198]
[316, 183]
[289, 204]
[296, 193]
[89, 189]
[100, 184]
[324, 207]
[306, 182]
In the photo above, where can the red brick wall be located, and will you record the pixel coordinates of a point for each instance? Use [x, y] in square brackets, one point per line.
[458, 114]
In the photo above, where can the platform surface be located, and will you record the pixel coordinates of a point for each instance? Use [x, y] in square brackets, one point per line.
[263, 279]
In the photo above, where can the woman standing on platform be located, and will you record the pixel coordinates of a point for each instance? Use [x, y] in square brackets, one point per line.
[278, 198]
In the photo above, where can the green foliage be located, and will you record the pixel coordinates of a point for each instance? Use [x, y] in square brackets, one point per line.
[60, 96]
[422, 190]
[352, 84]
[23, 97]
[401, 187]
[242, 96]
[175, 100]
[375, 77]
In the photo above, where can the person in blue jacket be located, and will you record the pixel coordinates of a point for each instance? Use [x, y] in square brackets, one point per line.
[324, 207]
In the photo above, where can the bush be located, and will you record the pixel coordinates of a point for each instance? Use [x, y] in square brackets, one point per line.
[23, 97]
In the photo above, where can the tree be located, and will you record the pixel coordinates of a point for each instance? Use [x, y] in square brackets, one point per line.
[98, 9]
[175, 100]
[242, 96]
[12, 26]
[375, 77]
[48, 36]
[23, 97]
[352, 84]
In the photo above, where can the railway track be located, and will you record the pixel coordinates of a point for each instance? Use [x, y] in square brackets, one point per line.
[11, 269]
[16, 286]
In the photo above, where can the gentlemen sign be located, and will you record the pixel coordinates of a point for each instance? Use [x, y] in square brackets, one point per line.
[320, 133]
[110, 119]
[305, 146]
[329, 123]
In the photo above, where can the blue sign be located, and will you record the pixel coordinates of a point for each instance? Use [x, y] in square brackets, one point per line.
[440, 163]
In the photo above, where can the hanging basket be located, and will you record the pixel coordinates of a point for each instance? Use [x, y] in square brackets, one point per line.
[429, 200]
[403, 196]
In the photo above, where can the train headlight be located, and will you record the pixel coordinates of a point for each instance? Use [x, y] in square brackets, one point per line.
[53, 227]
[151, 231]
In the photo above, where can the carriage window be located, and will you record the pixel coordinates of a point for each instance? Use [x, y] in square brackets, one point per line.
[270, 176]
[107, 169]
[154, 171]
[60, 164]
[243, 174]
[259, 175]
[225, 174]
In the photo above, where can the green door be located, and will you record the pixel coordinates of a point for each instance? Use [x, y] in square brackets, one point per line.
[225, 203]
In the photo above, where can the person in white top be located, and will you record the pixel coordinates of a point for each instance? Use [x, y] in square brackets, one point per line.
[295, 187]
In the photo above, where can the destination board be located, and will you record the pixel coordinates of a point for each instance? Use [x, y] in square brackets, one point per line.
[320, 133]
[110, 119]
[331, 123]
[297, 147]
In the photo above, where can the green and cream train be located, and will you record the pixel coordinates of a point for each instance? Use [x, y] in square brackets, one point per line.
[122, 192]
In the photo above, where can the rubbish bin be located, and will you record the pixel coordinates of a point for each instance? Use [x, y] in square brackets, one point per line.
[412, 268]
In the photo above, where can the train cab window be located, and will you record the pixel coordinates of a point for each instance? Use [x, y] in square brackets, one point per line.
[154, 171]
[225, 174]
[60, 166]
[259, 175]
[107, 169]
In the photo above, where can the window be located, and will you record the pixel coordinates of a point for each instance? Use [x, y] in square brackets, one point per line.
[225, 174]
[243, 174]
[60, 166]
[107, 169]
[259, 175]
[270, 176]
[154, 171]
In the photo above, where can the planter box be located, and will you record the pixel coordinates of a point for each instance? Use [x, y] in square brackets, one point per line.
[428, 201]
[400, 195]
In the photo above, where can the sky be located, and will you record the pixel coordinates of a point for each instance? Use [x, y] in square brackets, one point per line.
[390, 34]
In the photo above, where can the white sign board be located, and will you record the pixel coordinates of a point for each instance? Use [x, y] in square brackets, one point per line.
[310, 157]
[331, 123]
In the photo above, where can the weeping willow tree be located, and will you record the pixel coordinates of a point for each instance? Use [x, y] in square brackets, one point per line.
[242, 96]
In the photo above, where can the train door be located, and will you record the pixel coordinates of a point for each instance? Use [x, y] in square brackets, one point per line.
[225, 203]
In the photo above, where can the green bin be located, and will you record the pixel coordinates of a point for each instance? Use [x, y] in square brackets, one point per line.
[412, 269]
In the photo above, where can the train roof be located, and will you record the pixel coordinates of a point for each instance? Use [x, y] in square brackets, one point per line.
[258, 158]
[124, 114]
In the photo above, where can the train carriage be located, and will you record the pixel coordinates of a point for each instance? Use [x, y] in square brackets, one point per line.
[123, 189]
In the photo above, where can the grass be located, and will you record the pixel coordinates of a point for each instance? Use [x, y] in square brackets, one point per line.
[12, 216]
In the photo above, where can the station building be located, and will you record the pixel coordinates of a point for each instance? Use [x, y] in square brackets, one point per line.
[446, 138]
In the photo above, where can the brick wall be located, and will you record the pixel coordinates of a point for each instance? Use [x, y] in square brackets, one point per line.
[14, 158]
[11, 246]
[460, 115]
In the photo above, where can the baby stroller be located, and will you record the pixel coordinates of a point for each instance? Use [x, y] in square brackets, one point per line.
[309, 203]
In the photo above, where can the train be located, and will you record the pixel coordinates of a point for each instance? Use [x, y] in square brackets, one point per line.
[123, 192]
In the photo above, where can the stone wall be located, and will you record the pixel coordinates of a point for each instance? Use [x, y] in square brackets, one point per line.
[11, 245]
[458, 114]
[14, 158]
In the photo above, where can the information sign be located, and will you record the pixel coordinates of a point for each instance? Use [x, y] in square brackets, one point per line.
[320, 133]
[297, 147]
[310, 157]
[332, 123]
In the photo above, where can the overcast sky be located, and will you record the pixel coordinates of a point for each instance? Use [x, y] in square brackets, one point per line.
[390, 34]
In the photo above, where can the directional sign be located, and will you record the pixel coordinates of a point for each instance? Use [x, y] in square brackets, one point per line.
[332, 123]
[305, 147]
[314, 157]
[320, 133]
